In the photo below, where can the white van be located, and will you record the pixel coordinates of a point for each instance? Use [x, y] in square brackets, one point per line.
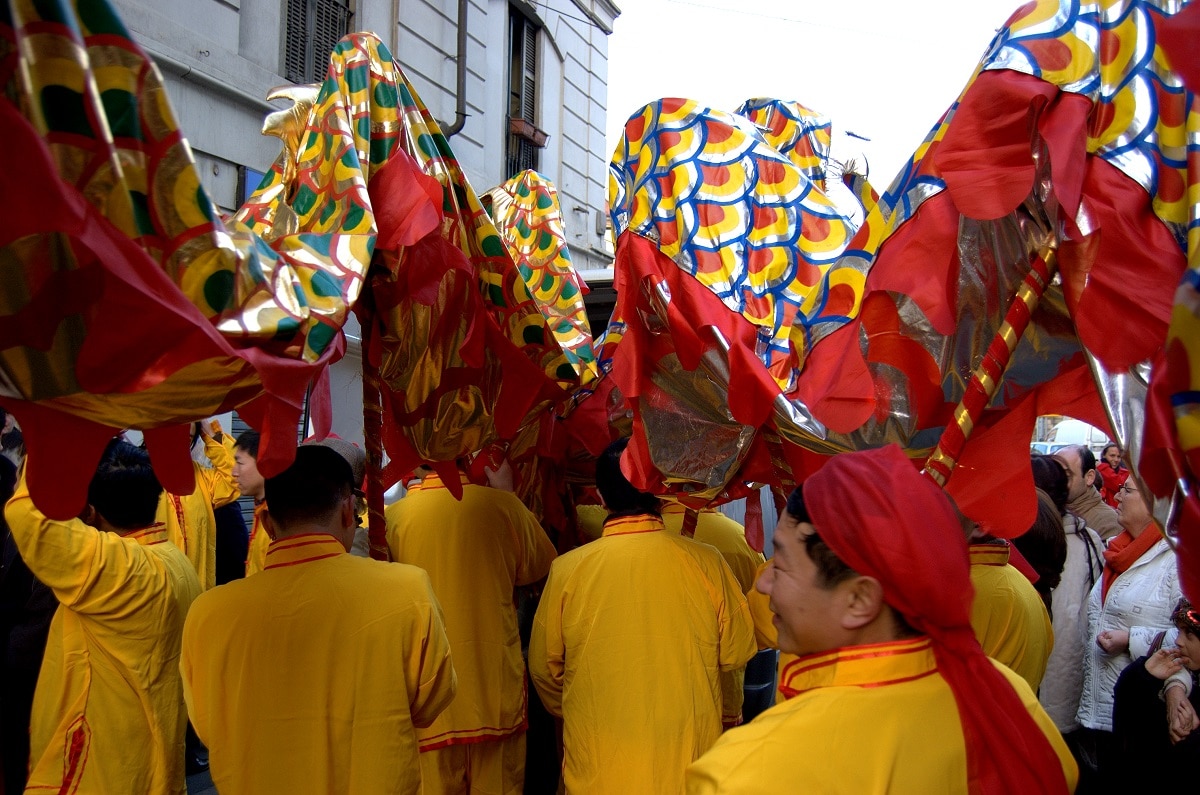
[1071, 432]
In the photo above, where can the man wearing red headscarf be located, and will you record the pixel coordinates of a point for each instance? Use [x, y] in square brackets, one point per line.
[891, 692]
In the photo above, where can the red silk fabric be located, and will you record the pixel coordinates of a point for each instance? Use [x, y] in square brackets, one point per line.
[887, 521]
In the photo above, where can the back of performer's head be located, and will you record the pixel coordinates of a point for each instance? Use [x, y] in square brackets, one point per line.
[1050, 477]
[1044, 546]
[248, 443]
[311, 491]
[619, 495]
[125, 491]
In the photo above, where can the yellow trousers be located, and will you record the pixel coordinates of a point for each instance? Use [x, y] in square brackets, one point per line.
[495, 767]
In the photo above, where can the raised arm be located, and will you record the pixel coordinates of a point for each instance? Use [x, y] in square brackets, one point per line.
[89, 571]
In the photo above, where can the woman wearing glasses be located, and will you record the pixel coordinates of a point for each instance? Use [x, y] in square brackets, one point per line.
[1127, 609]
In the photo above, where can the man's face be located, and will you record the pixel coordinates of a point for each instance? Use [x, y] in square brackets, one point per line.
[1113, 456]
[805, 614]
[1077, 484]
[245, 470]
[1132, 511]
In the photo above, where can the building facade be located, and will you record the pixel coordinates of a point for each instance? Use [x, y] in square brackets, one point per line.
[516, 83]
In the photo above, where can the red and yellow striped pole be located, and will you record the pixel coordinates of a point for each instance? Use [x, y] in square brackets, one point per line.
[986, 378]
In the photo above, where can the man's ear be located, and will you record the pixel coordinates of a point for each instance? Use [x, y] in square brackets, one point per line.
[1090, 477]
[863, 603]
[269, 524]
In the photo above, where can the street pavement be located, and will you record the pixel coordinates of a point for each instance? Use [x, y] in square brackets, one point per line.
[201, 784]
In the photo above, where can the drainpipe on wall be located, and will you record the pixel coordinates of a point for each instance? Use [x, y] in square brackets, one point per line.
[460, 77]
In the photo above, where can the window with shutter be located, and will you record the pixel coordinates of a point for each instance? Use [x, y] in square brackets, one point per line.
[313, 29]
[522, 152]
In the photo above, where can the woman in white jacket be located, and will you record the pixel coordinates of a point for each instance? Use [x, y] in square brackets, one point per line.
[1128, 609]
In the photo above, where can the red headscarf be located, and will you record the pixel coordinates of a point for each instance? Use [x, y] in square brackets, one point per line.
[887, 521]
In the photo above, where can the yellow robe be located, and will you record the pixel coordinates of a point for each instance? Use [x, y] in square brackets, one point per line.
[108, 713]
[476, 552]
[718, 530]
[1008, 615]
[862, 723]
[189, 518]
[627, 644]
[765, 632]
[260, 540]
[311, 676]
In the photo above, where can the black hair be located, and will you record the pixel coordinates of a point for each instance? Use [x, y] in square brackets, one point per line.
[1087, 459]
[312, 489]
[8, 481]
[125, 490]
[620, 496]
[1050, 477]
[831, 569]
[248, 442]
[1044, 545]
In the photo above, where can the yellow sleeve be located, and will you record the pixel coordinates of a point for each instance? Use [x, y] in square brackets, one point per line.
[187, 672]
[547, 651]
[536, 551]
[89, 571]
[429, 669]
[761, 615]
[1043, 721]
[218, 481]
[737, 628]
[391, 517]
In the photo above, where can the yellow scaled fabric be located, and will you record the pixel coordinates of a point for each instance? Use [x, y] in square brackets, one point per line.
[476, 552]
[189, 518]
[628, 640]
[108, 712]
[864, 719]
[1008, 616]
[311, 676]
[718, 530]
[256, 554]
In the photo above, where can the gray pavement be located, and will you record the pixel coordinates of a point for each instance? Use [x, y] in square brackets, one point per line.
[201, 784]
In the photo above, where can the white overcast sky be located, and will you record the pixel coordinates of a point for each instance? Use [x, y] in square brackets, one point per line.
[885, 69]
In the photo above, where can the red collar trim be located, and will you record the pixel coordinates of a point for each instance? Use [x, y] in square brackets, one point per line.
[870, 665]
[989, 554]
[629, 525]
[303, 548]
[434, 481]
[149, 536]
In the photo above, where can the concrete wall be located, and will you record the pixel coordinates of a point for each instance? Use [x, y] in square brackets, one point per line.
[219, 58]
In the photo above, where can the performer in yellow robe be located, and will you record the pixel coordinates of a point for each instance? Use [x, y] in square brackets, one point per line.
[189, 518]
[476, 551]
[1008, 615]
[868, 719]
[312, 675]
[627, 643]
[729, 538]
[251, 483]
[108, 713]
[890, 690]
[765, 633]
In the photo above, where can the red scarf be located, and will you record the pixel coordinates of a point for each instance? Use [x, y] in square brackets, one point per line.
[1123, 551]
[887, 521]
